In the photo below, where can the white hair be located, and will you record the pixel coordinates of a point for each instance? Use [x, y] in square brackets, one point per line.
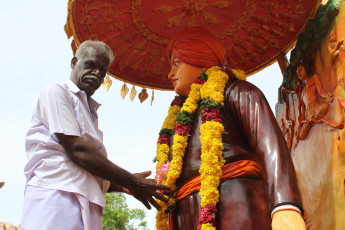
[100, 46]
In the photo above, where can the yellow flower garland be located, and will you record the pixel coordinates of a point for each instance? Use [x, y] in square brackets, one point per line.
[212, 161]
[181, 142]
[169, 123]
[162, 157]
[211, 142]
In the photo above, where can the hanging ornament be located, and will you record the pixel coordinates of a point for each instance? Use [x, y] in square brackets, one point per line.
[143, 95]
[152, 97]
[74, 47]
[107, 83]
[124, 90]
[133, 93]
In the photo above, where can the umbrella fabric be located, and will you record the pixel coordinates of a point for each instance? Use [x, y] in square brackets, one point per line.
[254, 32]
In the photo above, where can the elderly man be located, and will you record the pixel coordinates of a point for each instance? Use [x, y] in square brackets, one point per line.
[68, 172]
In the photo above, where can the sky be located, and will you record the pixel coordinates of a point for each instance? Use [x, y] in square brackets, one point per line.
[35, 52]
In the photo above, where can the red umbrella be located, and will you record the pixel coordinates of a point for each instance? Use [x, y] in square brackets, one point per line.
[254, 32]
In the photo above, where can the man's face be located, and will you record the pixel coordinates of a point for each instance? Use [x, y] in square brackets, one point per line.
[182, 75]
[89, 71]
[301, 72]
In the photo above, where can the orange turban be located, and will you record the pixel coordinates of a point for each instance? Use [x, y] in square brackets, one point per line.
[197, 46]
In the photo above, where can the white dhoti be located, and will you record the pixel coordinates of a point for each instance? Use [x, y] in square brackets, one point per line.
[49, 209]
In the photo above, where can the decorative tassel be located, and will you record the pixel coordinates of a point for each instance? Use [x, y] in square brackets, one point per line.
[68, 30]
[107, 83]
[74, 47]
[124, 91]
[67, 27]
[133, 93]
[152, 97]
[143, 95]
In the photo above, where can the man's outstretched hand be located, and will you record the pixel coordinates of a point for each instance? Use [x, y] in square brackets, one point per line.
[145, 190]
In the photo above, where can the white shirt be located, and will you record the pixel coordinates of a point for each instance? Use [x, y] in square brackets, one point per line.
[63, 108]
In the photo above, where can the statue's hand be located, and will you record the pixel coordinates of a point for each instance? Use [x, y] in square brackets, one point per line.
[287, 220]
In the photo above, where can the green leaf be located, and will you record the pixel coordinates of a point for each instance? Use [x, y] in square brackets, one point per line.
[185, 118]
[208, 103]
[165, 131]
[203, 76]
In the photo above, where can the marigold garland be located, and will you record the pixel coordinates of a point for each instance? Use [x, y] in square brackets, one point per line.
[209, 88]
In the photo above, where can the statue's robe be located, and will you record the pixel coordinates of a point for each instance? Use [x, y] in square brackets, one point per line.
[251, 133]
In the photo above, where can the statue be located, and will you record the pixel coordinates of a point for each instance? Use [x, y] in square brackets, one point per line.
[220, 147]
[315, 101]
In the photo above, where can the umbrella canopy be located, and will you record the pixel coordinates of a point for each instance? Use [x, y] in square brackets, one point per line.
[254, 32]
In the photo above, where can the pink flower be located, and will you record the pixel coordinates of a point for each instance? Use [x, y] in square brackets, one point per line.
[177, 101]
[228, 71]
[183, 129]
[162, 172]
[199, 81]
[159, 179]
[208, 215]
[211, 115]
[164, 139]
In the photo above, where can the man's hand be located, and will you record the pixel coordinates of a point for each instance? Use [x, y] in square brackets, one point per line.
[145, 175]
[116, 188]
[287, 220]
[145, 190]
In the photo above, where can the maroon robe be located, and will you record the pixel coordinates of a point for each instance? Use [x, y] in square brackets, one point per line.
[251, 133]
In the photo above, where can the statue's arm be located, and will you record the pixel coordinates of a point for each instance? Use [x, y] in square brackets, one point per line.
[253, 113]
[316, 80]
[258, 123]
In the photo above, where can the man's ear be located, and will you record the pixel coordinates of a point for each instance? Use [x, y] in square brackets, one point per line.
[73, 62]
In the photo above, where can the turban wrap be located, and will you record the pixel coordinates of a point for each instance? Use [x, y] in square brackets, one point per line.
[197, 46]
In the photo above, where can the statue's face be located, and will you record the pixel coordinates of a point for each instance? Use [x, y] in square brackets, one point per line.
[301, 72]
[182, 75]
